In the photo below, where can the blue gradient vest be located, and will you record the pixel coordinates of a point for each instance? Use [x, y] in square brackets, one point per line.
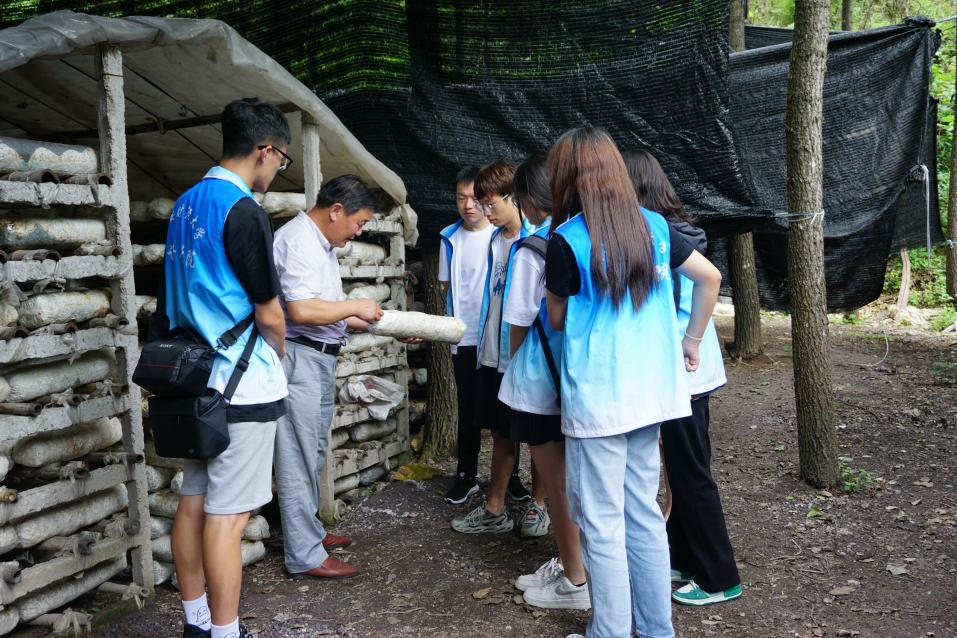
[202, 290]
[503, 339]
[710, 373]
[622, 369]
[528, 385]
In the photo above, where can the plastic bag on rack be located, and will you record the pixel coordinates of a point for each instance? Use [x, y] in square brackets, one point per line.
[376, 394]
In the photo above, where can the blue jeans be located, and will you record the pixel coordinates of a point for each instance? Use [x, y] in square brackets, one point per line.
[612, 483]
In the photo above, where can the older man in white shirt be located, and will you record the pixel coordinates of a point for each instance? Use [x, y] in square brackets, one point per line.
[317, 316]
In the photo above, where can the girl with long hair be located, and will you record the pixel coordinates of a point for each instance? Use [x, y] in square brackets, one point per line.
[530, 388]
[702, 559]
[623, 372]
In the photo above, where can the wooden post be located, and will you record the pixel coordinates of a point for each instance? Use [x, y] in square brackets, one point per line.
[111, 120]
[311, 166]
[904, 291]
[748, 340]
[814, 394]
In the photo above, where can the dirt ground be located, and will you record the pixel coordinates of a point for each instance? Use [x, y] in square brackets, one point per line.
[878, 561]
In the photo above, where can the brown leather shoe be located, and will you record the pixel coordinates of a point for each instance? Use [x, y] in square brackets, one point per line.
[332, 567]
[334, 541]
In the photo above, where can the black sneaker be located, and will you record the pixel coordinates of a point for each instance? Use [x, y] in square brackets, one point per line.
[192, 631]
[516, 491]
[243, 632]
[461, 490]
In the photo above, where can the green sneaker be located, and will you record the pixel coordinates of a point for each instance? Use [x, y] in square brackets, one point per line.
[535, 521]
[479, 521]
[681, 577]
[691, 594]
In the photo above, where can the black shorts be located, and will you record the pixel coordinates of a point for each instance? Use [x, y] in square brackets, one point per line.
[490, 413]
[536, 429]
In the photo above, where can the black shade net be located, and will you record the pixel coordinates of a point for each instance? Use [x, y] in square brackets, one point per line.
[430, 86]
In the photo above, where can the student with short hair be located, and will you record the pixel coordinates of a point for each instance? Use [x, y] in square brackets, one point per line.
[317, 316]
[623, 372]
[702, 558]
[219, 270]
[493, 188]
[531, 389]
[463, 264]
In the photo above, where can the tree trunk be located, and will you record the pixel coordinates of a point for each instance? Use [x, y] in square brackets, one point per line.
[748, 341]
[814, 394]
[904, 293]
[952, 221]
[847, 15]
[441, 424]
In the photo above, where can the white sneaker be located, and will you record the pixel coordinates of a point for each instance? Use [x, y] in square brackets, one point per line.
[561, 594]
[575, 636]
[544, 575]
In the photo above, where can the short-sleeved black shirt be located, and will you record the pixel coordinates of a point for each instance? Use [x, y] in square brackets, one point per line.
[247, 237]
[561, 271]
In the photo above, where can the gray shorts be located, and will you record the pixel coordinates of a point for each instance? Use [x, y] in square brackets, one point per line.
[240, 479]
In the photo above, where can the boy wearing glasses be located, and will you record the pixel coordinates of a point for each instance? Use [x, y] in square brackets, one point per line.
[219, 270]
[493, 187]
[462, 268]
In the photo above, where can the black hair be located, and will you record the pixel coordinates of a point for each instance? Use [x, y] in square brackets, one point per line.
[531, 181]
[251, 122]
[350, 191]
[467, 174]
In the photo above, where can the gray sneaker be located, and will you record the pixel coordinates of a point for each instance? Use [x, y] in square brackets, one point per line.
[560, 594]
[535, 521]
[479, 521]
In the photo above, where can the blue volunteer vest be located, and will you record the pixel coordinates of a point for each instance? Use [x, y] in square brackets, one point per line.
[203, 292]
[528, 385]
[622, 369]
[503, 338]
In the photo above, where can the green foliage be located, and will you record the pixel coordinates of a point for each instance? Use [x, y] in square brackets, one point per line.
[945, 319]
[928, 278]
[853, 479]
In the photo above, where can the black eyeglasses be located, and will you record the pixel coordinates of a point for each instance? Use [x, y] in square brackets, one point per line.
[285, 162]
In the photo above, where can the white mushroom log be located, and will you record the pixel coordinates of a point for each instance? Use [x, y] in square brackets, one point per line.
[363, 341]
[62, 520]
[372, 474]
[35, 605]
[162, 572]
[345, 483]
[145, 306]
[371, 430]
[140, 211]
[160, 526]
[420, 376]
[363, 251]
[376, 292]
[400, 324]
[60, 159]
[338, 438]
[52, 232]
[63, 307]
[163, 503]
[9, 619]
[8, 315]
[282, 204]
[37, 381]
[5, 465]
[158, 478]
[68, 443]
[177, 483]
[148, 254]
[256, 529]
[161, 208]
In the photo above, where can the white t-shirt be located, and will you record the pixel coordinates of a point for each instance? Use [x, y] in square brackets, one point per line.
[488, 354]
[467, 277]
[527, 289]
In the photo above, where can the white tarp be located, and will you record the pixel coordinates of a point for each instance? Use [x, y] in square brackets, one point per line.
[174, 69]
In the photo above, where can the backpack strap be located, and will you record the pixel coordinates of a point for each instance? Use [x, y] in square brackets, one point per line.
[241, 366]
[549, 357]
[231, 336]
[535, 243]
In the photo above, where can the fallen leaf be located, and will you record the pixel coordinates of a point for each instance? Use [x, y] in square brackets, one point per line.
[479, 594]
[517, 599]
[843, 590]
[896, 570]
